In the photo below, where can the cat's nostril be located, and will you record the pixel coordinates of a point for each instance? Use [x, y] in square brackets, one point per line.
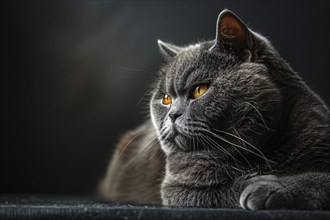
[175, 115]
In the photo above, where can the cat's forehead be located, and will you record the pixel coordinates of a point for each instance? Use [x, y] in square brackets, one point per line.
[186, 59]
[200, 56]
[195, 64]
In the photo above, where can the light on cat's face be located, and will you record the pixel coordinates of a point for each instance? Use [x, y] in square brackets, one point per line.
[167, 99]
[179, 112]
[197, 92]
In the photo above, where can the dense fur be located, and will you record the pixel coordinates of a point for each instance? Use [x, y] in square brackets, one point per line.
[258, 138]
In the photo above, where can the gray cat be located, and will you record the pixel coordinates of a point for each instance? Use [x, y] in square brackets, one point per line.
[232, 125]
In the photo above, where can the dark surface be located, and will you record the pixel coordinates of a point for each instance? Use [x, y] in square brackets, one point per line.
[73, 74]
[37, 208]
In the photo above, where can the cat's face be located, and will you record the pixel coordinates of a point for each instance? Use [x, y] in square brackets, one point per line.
[211, 97]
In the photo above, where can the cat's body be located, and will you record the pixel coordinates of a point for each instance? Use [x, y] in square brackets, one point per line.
[231, 125]
[137, 168]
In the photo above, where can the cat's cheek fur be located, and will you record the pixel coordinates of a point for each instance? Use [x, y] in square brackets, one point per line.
[157, 112]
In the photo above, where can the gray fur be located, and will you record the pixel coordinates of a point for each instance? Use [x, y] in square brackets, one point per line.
[258, 118]
[259, 138]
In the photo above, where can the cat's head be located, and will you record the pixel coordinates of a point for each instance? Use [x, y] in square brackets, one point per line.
[217, 95]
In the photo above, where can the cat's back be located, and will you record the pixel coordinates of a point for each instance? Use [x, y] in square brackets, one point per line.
[136, 169]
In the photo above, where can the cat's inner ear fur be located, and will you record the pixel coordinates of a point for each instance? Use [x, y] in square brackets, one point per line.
[232, 32]
[168, 50]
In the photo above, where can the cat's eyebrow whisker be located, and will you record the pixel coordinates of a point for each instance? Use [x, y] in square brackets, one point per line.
[131, 77]
[136, 70]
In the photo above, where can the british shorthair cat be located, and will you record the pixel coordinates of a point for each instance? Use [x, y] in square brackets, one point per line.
[231, 125]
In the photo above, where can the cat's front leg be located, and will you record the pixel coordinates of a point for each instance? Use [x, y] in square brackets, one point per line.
[174, 193]
[304, 191]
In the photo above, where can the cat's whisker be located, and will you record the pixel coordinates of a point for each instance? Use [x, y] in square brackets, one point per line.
[140, 80]
[247, 161]
[144, 95]
[244, 146]
[136, 70]
[237, 169]
[226, 152]
[156, 155]
[244, 141]
[209, 146]
[144, 148]
[260, 155]
[218, 146]
[210, 154]
[197, 124]
[193, 142]
[135, 136]
[237, 137]
[204, 144]
[190, 144]
[242, 155]
[258, 112]
[164, 131]
[143, 151]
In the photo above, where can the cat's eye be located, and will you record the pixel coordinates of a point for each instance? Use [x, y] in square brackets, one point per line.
[199, 90]
[167, 99]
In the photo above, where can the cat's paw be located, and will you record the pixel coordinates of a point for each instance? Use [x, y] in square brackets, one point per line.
[265, 192]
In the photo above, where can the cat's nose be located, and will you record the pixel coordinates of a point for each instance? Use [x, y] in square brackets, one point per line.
[174, 115]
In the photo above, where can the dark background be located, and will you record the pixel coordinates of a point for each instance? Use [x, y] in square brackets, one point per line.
[73, 72]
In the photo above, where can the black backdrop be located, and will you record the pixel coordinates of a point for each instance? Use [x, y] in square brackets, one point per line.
[73, 72]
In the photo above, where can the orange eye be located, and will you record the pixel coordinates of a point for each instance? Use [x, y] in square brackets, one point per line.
[199, 91]
[167, 100]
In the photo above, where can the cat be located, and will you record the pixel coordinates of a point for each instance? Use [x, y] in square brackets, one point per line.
[231, 125]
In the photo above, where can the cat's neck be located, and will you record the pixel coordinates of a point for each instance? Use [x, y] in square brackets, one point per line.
[205, 169]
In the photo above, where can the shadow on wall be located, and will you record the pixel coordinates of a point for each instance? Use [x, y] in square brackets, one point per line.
[73, 74]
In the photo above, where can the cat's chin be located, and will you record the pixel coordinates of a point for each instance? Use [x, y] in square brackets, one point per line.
[181, 142]
[178, 142]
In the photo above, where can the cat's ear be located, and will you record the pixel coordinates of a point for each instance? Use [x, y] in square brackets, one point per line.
[168, 50]
[231, 31]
